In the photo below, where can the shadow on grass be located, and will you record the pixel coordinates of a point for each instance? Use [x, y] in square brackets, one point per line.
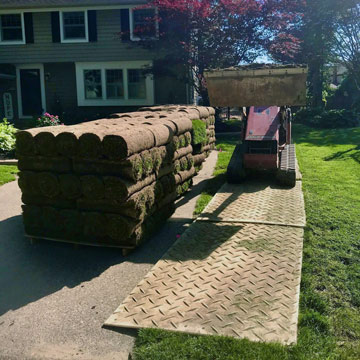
[326, 137]
[346, 155]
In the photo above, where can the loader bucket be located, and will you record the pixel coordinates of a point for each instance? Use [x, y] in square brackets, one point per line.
[258, 85]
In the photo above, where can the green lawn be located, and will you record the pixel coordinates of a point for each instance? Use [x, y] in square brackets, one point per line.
[7, 173]
[226, 145]
[329, 323]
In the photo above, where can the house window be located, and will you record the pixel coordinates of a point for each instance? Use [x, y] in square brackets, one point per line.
[114, 84]
[12, 29]
[136, 84]
[143, 24]
[92, 84]
[74, 26]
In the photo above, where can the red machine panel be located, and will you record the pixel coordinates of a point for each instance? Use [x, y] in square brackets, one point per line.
[263, 123]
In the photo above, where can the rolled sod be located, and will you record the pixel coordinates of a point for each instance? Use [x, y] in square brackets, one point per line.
[166, 157]
[147, 162]
[198, 132]
[182, 123]
[134, 207]
[70, 186]
[25, 144]
[166, 170]
[40, 200]
[184, 163]
[183, 152]
[25, 139]
[182, 141]
[149, 193]
[178, 179]
[42, 163]
[95, 225]
[190, 160]
[119, 189]
[28, 182]
[130, 168]
[119, 228]
[73, 223]
[53, 221]
[128, 143]
[151, 224]
[162, 134]
[188, 174]
[179, 190]
[92, 187]
[168, 183]
[176, 143]
[205, 148]
[159, 191]
[32, 218]
[45, 143]
[192, 114]
[188, 138]
[199, 159]
[48, 184]
[67, 143]
[177, 166]
[167, 200]
[157, 159]
[90, 146]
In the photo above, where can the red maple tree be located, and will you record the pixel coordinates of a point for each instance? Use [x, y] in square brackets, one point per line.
[206, 34]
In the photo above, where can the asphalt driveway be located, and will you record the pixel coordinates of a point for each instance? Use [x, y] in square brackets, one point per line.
[54, 298]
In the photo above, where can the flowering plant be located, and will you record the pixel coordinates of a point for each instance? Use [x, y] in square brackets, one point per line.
[48, 120]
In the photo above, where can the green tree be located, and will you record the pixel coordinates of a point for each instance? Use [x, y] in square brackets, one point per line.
[318, 39]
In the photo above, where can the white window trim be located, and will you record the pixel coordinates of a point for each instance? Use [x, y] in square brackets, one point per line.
[18, 86]
[103, 66]
[16, 42]
[134, 37]
[63, 40]
[70, 8]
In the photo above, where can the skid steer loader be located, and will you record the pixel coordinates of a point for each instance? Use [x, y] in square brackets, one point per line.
[267, 91]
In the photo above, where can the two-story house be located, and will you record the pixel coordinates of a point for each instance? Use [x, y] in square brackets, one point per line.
[77, 59]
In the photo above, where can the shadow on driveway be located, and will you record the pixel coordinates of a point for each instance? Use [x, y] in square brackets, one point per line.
[30, 272]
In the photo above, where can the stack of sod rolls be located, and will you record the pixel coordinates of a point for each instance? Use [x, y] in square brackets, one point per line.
[203, 130]
[106, 182]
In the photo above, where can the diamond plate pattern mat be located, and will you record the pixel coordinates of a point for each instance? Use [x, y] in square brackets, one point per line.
[239, 280]
[257, 202]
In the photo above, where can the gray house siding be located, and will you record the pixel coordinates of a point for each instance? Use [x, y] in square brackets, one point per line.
[59, 61]
[61, 95]
[109, 46]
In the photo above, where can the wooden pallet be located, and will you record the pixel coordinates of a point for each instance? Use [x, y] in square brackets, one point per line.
[126, 250]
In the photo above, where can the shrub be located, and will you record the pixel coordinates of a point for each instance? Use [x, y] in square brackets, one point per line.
[328, 119]
[47, 120]
[7, 137]
[198, 132]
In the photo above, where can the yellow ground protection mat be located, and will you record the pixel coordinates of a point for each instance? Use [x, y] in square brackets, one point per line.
[258, 202]
[226, 278]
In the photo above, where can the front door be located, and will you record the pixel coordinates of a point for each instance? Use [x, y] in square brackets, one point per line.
[30, 87]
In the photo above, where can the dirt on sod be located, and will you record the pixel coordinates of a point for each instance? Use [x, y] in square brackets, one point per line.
[329, 322]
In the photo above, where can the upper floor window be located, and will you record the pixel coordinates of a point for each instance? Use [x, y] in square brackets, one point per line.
[12, 29]
[143, 24]
[74, 26]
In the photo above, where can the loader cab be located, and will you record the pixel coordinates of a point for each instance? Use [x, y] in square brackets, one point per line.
[262, 138]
